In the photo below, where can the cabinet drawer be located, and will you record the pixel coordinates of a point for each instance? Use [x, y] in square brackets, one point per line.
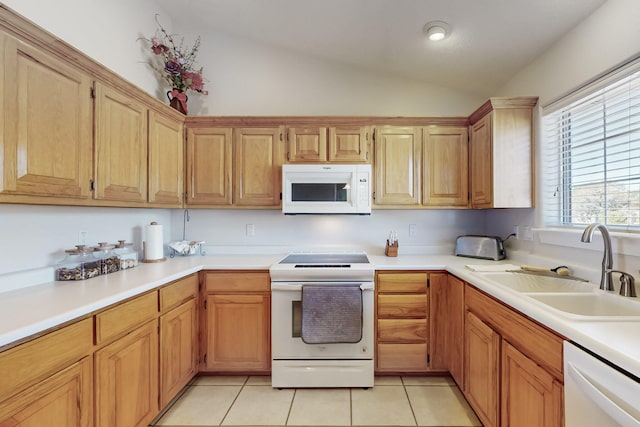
[178, 292]
[402, 357]
[402, 330]
[402, 306]
[38, 358]
[233, 281]
[402, 282]
[125, 317]
[531, 338]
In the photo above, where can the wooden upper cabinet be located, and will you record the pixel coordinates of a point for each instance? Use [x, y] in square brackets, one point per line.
[209, 166]
[481, 163]
[336, 144]
[258, 159]
[46, 127]
[166, 160]
[501, 146]
[306, 144]
[349, 144]
[397, 165]
[121, 147]
[445, 167]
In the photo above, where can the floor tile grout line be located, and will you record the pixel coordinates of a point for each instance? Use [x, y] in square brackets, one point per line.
[406, 393]
[234, 401]
[286, 421]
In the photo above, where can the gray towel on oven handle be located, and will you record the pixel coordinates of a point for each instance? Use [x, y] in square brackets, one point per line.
[331, 314]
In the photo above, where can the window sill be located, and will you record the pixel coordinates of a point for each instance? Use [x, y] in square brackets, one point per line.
[621, 243]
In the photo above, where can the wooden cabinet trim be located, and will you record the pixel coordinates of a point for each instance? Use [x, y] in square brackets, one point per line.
[34, 360]
[176, 293]
[118, 320]
[237, 281]
[533, 339]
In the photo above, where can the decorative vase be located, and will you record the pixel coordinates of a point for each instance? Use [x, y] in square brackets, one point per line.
[178, 100]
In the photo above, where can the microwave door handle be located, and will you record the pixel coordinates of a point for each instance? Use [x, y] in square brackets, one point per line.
[601, 400]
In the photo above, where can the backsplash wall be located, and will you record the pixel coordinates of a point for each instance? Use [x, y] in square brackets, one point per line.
[226, 231]
[36, 236]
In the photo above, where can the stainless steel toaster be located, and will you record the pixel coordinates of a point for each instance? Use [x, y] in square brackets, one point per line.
[483, 247]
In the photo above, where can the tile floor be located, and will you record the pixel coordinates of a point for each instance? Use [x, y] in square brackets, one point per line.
[251, 401]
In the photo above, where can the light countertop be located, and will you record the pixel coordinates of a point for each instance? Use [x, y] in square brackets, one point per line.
[32, 310]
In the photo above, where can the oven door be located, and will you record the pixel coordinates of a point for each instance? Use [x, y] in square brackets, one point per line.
[286, 342]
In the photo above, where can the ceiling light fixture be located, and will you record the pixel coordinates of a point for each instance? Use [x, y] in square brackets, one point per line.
[436, 30]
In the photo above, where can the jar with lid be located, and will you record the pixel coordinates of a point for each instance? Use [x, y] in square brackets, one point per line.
[107, 259]
[127, 256]
[78, 264]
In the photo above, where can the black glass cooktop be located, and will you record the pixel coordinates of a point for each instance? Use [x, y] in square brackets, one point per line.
[326, 259]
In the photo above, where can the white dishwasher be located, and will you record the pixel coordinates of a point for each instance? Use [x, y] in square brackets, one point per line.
[597, 393]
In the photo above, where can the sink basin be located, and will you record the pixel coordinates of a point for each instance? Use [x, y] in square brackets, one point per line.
[533, 283]
[592, 306]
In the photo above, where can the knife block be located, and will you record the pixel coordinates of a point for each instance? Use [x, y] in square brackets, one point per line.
[391, 249]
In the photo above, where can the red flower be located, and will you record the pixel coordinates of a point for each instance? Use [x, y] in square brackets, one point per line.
[196, 80]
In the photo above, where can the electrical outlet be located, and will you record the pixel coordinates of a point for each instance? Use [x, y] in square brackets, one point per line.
[412, 230]
[82, 237]
[525, 233]
[251, 230]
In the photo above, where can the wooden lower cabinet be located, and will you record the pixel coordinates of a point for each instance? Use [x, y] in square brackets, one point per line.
[531, 397]
[454, 328]
[178, 349]
[237, 321]
[482, 363]
[513, 366]
[402, 321]
[126, 379]
[63, 399]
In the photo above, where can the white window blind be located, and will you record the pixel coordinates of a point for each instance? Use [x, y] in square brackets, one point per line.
[591, 155]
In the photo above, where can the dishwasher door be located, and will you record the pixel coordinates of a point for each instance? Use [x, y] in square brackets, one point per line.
[598, 394]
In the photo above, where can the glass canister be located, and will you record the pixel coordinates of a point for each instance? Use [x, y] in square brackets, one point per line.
[107, 259]
[78, 264]
[127, 256]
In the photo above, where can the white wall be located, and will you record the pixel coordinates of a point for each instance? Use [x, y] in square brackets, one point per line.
[36, 236]
[608, 37]
[244, 79]
[225, 231]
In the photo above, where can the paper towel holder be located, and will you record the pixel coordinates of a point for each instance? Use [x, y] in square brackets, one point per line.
[144, 252]
[144, 255]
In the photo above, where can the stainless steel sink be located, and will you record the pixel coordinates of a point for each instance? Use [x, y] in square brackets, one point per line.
[533, 283]
[592, 306]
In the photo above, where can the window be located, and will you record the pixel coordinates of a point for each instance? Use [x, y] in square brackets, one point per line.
[591, 157]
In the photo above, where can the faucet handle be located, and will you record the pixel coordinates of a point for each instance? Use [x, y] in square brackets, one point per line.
[627, 285]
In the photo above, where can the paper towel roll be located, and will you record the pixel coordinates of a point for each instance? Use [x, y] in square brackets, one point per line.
[153, 247]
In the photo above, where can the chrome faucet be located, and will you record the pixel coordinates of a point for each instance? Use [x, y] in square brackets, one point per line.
[606, 278]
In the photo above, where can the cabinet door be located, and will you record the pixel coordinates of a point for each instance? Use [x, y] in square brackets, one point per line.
[349, 144]
[402, 357]
[454, 341]
[481, 163]
[238, 333]
[126, 379]
[258, 171]
[531, 397]
[209, 166]
[121, 147]
[166, 160]
[445, 178]
[397, 165]
[46, 126]
[482, 358]
[306, 144]
[64, 399]
[178, 349]
[438, 322]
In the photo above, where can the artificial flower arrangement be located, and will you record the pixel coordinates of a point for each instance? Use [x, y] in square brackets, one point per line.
[176, 64]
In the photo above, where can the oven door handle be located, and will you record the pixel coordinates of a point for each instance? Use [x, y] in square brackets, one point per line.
[366, 286]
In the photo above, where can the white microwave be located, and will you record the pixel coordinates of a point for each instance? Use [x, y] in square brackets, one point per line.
[326, 189]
